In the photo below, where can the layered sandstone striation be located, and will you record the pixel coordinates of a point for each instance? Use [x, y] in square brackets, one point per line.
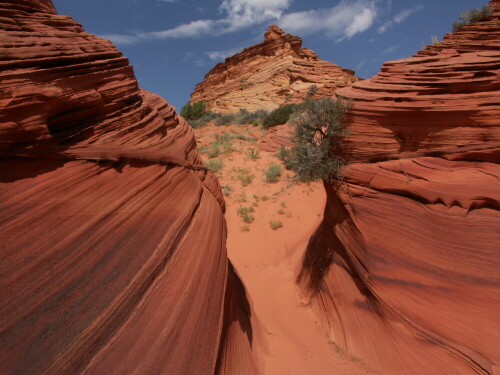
[113, 257]
[405, 269]
[266, 75]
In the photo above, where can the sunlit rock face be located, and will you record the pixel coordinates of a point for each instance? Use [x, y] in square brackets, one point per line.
[268, 74]
[113, 257]
[405, 269]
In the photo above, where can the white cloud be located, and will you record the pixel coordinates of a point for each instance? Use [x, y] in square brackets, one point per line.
[121, 39]
[399, 18]
[343, 21]
[243, 13]
[221, 55]
[237, 14]
[191, 29]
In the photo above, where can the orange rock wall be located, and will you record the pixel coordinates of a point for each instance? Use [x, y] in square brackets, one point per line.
[404, 271]
[273, 72]
[112, 245]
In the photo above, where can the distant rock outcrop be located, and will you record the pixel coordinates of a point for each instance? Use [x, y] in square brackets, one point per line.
[266, 75]
[405, 268]
[112, 240]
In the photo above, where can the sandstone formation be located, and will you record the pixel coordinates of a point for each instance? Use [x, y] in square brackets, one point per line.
[266, 75]
[113, 257]
[276, 137]
[405, 268]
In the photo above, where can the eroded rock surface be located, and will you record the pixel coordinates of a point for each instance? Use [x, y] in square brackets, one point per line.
[273, 72]
[113, 257]
[405, 269]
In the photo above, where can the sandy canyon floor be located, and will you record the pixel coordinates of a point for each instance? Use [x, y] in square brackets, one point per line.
[268, 259]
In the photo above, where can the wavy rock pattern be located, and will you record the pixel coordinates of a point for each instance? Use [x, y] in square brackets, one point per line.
[113, 255]
[405, 268]
[273, 72]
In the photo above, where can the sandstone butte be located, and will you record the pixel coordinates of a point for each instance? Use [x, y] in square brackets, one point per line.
[113, 257]
[268, 74]
[404, 270]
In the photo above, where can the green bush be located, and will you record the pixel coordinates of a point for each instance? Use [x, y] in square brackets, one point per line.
[245, 179]
[276, 224]
[471, 16]
[246, 214]
[193, 111]
[279, 116]
[317, 142]
[282, 153]
[214, 165]
[245, 228]
[273, 173]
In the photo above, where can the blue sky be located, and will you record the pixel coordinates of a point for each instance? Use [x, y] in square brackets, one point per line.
[172, 44]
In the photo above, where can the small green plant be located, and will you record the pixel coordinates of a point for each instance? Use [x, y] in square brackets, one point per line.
[273, 173]
[279, 116]
[264, 198]
[275, 225]
[280, 211]
[193, 111]
[255, 204]
[253, 153]
[245, 228]
[320, 126]
[214, 165]
[255, 123]
[283, 204]
[434, 40]
[246, 214]
[227, 190]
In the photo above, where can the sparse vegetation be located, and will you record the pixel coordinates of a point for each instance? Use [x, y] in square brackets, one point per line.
[471, 16]
[253, 153]
[273, 173]
[246, 214]
[283, 204]
[264, 198]
[320, 126]
[275, 225]
[282, 153]
[245, 179]
[227, 190]
[214, 165]
[279, 116]
[245, 228]
[280, 211]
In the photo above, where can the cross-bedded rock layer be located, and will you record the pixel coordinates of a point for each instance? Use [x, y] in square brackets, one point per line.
[113, 257]
[405, 267]
[266, 75]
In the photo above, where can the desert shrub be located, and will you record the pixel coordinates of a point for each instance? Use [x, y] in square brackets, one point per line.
[280, 211]
[214, 164]
[227, 190]
[283, 204]
[276, 224]
[264, 198]
[253, 153]
[246, 214]
[245, 228]
[471, 16]
[317, 142]
[279, 116]
[282, 153]
[225, 119]
[193, 111]
[273, 173]
[246, 179]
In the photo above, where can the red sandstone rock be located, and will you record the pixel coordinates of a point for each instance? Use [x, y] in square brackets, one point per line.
[273, 72]
[405, 268]
[276, 137]
[113, 257]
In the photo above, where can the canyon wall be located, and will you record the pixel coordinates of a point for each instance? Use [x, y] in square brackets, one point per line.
[268, 74]
[112, 245]
[404, 271]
